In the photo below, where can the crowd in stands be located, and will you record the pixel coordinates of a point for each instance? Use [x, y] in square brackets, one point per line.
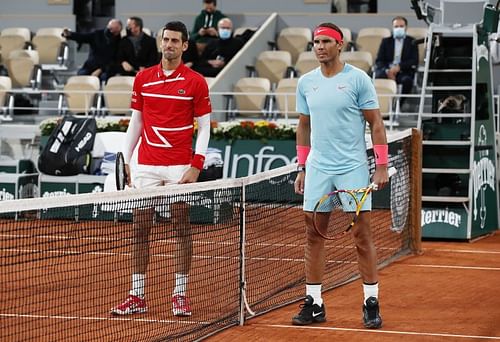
[124, 50]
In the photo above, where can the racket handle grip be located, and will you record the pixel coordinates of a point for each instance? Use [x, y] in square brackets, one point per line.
[392, 171]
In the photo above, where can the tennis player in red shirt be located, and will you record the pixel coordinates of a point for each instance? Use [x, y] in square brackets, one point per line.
[165, 101]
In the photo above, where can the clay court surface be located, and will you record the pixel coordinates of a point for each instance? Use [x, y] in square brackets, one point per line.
[449, 293]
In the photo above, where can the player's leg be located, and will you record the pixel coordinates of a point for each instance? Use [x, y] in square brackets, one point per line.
[313, 310]
[179, 212]
[366, 252]
[145, 177]
[183, 256]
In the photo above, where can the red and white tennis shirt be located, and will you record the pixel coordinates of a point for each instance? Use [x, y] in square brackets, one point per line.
[169, 106]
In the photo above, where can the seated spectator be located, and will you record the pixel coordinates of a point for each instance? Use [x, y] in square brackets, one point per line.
[137, 50]
[219, 51]
[397, 57]
[103, 49]
[205, 25]
[190, 56]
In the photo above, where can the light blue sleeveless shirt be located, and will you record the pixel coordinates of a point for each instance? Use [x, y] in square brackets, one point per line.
[334, 106]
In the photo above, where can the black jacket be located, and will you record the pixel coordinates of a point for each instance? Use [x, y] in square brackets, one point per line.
[225, 48]
[147, 55]
[409, 55]
[103, 48]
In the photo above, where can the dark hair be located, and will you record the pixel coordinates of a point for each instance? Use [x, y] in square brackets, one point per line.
[138, 21]
[332, 26]
[399, 17]
[177, 26]
[210, 2]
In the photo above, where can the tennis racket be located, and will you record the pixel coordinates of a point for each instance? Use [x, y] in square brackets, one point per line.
[120, 173]
[344, 207]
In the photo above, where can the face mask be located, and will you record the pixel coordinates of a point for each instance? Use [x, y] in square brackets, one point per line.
[129, 31]
[224, 33]
[398, 32]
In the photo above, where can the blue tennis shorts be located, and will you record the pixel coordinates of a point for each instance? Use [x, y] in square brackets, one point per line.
[318, 183]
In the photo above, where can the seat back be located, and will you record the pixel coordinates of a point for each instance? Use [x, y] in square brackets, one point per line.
[20, 65]
[286, 103]
[13, 38]
[418, 33]
[360, 59]
[273, 64]
[159, 38]
[117, 94]
[240, 30]
[383, 87]
[294, 40]
[5, 86]
[346, 32]
[80, 91]
[306, 62]
[47, 42]
[251, 102]
[369, 39]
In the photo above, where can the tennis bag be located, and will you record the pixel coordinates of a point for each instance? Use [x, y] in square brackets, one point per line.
[68, 150]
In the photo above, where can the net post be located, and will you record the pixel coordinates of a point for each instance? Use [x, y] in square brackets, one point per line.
[416, 191]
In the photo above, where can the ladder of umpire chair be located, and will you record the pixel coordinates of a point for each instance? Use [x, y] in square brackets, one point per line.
[428, 88]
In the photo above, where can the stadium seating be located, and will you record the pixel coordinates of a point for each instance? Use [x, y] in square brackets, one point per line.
[286, 103]
[117, 92]
[294, 40]
[13, 38]
[385, 87]
[306, 62]
[6, 101]
[273, 65]
[23, 68]
[360, 59]
[248, 104]
[50, 45]
[418, 33]
[79, 93]
[346, 32]
[369, 39]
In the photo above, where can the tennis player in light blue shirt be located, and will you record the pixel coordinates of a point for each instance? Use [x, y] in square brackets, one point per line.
[336, 100]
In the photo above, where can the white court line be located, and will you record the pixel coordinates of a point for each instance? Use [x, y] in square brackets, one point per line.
[378, 331]
[167, 241]
[455, 267]
[160, 255]
[462, 251]
[103, 318]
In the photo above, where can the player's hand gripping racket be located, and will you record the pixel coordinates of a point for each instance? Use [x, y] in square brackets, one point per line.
[344, 207]
[120, 172]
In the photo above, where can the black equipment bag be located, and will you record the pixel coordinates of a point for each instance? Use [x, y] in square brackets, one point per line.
[68, 150]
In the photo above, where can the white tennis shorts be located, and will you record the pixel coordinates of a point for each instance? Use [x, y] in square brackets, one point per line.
[147, 176]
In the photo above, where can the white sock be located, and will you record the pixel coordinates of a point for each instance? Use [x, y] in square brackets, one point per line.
[138, 285]
[181, 281]
[315, 292]
[370, 291]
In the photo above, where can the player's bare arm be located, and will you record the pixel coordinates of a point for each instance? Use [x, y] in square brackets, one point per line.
[374, 119]
[303, 139]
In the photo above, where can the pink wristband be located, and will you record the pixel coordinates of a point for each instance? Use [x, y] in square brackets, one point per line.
[302, 153]
[198, 161]
[381, 153]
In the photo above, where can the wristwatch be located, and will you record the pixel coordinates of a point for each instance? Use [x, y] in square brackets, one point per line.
[301, 168]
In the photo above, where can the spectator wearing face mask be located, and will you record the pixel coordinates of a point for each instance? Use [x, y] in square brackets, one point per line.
[397, 57]
[103, 49]
[219, 51]
[137, 50]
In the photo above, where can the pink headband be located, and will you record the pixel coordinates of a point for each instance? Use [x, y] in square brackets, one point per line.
[328, 31]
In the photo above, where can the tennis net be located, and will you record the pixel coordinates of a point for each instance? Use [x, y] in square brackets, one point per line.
[66, 261]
